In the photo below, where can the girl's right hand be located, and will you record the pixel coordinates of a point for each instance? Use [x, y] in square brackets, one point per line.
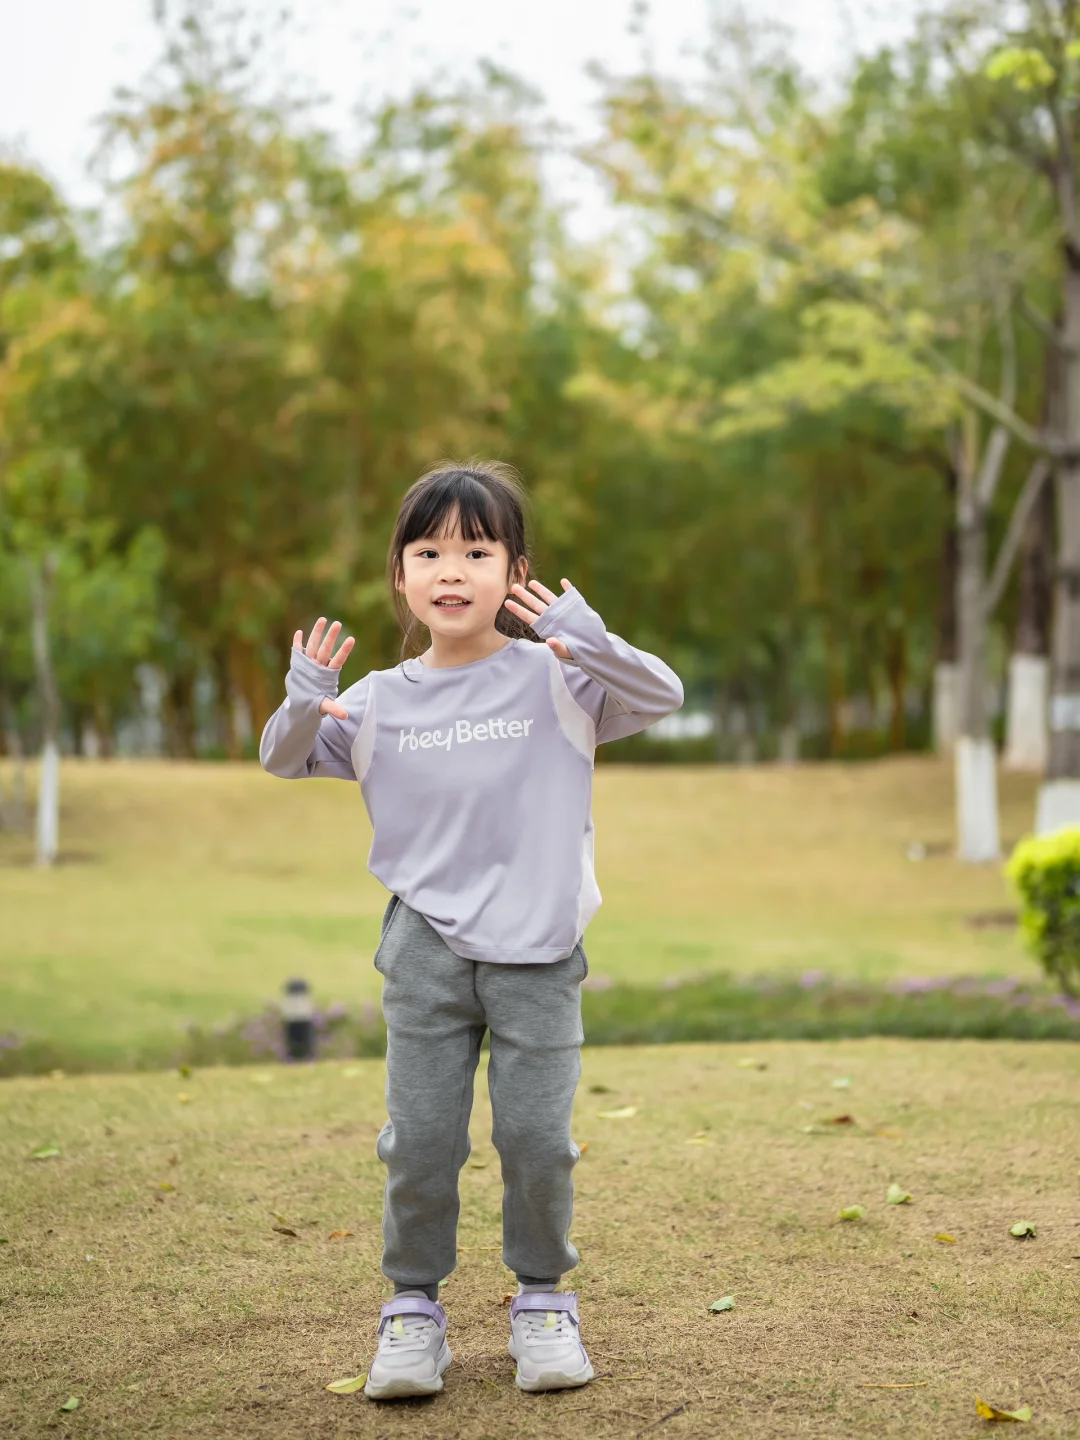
[320, 648]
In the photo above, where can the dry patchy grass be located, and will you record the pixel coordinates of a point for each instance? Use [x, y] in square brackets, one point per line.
[193, 891]
[182, 1313]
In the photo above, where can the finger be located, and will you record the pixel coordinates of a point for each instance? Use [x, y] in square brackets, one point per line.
[566, 584]
[538, 607]
[344, 650]
[519, 610]
[560, 649]
[298, 640]
[329, 706]
[316, 635]
[326, 649]
[548, 595]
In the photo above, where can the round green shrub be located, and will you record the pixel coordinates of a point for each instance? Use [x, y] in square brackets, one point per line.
[1046, 873]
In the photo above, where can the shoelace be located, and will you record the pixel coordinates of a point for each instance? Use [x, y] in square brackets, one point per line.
[407, 1332]
[547, 1327]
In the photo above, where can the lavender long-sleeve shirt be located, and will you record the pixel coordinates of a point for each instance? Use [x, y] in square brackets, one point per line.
[478, 777]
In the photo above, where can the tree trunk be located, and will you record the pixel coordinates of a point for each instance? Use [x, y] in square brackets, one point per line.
[1026, 734]
[1059, 797]
[896, 668]
[945, 706]
[976, 772]
[47, 829]
[179, 715]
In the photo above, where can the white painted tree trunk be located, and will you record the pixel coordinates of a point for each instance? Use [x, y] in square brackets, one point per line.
[944, 707]
[976, 801]
[1058, 806]
[47, 829]
[1027, 738]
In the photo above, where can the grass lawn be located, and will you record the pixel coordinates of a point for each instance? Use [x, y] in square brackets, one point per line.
[190, 892]
[143, 1274]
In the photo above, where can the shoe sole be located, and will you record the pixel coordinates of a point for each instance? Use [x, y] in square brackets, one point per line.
[552, 1379]
[404, 1387]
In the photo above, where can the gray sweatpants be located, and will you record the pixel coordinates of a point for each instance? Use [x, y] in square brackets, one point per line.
[437, 1007]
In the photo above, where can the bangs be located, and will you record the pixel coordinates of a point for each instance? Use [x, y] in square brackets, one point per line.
[455, 500]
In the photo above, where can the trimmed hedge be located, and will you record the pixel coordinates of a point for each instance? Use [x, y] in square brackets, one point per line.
[712, 1007]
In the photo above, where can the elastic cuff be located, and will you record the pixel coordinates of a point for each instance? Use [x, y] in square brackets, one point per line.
[429, 1292]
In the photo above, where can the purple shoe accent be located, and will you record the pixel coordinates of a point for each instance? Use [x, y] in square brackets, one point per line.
[412, 1305]
[542, 1300]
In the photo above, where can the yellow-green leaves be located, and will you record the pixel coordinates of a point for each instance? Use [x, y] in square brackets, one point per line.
[946, 1239]
[44, 1152]
[851, 1212]
[1023, 1230]
[726, 1302]
[992, 1412]
[748, 1062]
[1027, 69]
[71, 1403]
[347, 1387]
[897, 1195]
[626, 1112]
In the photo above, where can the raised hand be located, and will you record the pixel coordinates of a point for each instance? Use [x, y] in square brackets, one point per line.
[320, 648]
[538, 603]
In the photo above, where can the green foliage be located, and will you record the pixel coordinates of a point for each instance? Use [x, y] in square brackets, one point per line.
[1046, 873]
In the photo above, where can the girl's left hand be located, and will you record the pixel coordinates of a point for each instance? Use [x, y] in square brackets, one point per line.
[538, 603]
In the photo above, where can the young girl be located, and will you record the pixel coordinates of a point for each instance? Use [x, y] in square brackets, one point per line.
[475, 763]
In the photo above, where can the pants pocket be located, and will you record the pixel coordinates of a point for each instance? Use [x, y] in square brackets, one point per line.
[387, 924]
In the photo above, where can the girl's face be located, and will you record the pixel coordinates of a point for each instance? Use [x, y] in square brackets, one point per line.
[454, 586]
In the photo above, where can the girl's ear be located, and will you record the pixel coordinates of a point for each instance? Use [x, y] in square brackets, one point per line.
[519, 570]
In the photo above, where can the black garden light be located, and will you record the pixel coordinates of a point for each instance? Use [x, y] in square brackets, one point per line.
[297, 1010]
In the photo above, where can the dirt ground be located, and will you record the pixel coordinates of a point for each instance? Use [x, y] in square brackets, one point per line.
[143, 1274]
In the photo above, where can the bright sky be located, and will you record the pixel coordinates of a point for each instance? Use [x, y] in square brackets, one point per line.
[60, 60]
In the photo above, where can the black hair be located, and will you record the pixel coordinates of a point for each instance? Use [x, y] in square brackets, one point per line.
[483, 500]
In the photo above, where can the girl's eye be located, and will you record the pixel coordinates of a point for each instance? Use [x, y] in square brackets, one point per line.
[427, 554]
[477, 555]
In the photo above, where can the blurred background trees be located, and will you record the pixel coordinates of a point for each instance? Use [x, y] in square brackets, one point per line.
[817, 375]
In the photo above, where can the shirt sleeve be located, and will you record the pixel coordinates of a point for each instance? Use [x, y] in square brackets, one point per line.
[298, 741]
[622, 688]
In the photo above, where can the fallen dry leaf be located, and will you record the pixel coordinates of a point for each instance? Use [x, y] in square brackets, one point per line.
[478, 1164]
[888, 1134]
[71, 1403]
[625, 1113]
[1023, 1230]
[347, 1387]
[946, 1239]
[284, 1230]
[174, 1159]
[726, 1302]
[339, 1235]
[165, 1186]
[507, 1298]
[749, 1063]
[44, 1152]
[184, 1071]
[844, 1083]
[841, 1120]
[583, 1148]
[851, 1212]
[184, 1098]
[902, 1385]
[897, 1195]
[991, 1412]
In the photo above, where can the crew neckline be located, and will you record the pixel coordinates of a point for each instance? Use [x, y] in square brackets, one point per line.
[468, 665]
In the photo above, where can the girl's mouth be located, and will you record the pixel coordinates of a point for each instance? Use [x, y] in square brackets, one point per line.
[451, 603]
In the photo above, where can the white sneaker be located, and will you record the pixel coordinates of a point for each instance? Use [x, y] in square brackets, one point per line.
[412, 1353]
[545, 1340]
